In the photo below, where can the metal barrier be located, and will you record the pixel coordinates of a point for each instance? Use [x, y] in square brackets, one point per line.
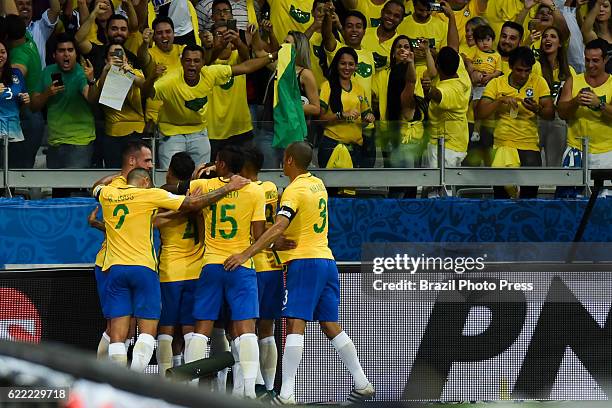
[359, 178]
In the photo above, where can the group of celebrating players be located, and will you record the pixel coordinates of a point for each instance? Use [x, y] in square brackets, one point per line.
[227, 282]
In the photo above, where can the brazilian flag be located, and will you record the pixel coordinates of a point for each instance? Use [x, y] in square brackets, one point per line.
[289, 121]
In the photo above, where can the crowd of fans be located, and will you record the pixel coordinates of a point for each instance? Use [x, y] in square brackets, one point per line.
[506, 83]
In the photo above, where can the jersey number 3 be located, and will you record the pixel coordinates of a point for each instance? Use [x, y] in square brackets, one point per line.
[323, 207]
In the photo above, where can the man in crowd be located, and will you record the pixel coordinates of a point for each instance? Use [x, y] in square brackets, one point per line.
[65, 90]
[379, 39]
[184, 94]
[237, 9]
[41, 29]
[510, 39]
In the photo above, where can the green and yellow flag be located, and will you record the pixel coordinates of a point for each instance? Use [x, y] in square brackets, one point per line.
[289, 121]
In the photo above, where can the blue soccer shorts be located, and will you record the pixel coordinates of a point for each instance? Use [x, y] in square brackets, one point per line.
[312, 292]
[216, 286]
[270, 292]
[177, 303]
[101, 280]
[132, 291]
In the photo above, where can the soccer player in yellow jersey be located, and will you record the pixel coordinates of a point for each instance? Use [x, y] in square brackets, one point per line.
[269, 274]
[163, 57]
[229, 226]
[132, 287]
[586, 104]
[135, 154]
[180, 262]
[184, 95]
[312, 291]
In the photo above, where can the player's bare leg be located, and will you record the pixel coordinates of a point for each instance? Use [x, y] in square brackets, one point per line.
[119, 328]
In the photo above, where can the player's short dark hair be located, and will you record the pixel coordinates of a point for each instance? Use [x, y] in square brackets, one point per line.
[483, 32]
[232, 157]
[137, 174]
[182, 165]
[253, 157]
[521, 54]
[359, 15]
[515, 26]
[62, 38]
[192, 47]
[216, 2]
[598, 44]
[116, 17]
[132, 148]
[14, 27]
[162, 19]
[301, 152]
[448, 61]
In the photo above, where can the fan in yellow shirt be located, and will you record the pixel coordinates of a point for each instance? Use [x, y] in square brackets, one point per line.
[229, 226]
[132, 287]
[161, 58]
[180, 262]
[229, 117]
[517, 100]
[312, 291]
[464, 11]
[379, 40]
[290, 15]
[184, 95]
[509, 40]
[423, 24]
[344, 106]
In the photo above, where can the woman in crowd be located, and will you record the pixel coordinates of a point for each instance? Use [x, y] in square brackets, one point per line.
[344, 108]
[556, 70]
[306, 79]
[598, 24]
[402, 112]
[13, 95]
[125, 125]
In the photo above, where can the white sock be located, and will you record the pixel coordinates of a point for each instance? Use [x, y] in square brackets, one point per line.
[249, 361]
[102, 352]
[197, 348]
[268, 356]
[117, 353]
[127, 343]
[294, 347]
[164, 353]
[143, 351]
[219, 344]
[348, 354]
[238, 389]
[177, 360]
[187, 337]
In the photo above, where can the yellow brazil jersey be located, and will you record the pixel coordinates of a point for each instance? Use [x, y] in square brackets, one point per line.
[486, 61]
[184, 107]
[228, 222]
[130, 118]
[128, 217]
[182, 249]
[412, 132]
[228, 108]
[353, 99]
[557, 83]
[290, 15]
[536, 69]
[449, 117]
[304, 202]
[317, 54]
[172, 61]
[591, 123]
[118, 181]
[380, 50]
[518, 130]
[371, 11]
[471, 10]
[364, 73]
[500, 11]
[267, 260]
[434, 30]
